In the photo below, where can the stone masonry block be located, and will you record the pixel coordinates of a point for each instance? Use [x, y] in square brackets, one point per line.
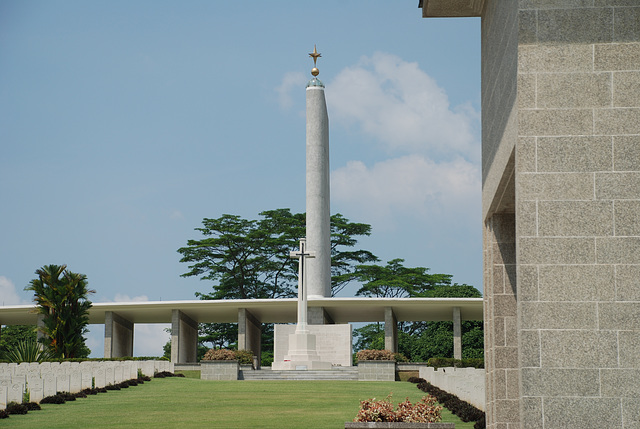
[555, 58]
[531, 412]
[618, 185]
[527, 212]
[629, 353]
[527, 91]
[557, 122]
[575, 218]
[554, 382]
[506, 357]
[554, 4]
[513, 383]
[526, 154]
[627, 282]
[627, 25]
[498, 332]
[507, 410]
[618, 250]
[527, 282]
[619, 316]
[585, 25]
[574, 154]
[527, 27]
[581, 413]
[623, 121]
[601, 3]
[504, 253]
[620, 383]
[505, 305]
[555, 186]
[631, 412]
[529, 348]
[626, 87]
[579, 349]
[612, 57]
[559, 315]
[577, 283]
[627, 217]
[626, 153]
[573, 90]
[560, 251]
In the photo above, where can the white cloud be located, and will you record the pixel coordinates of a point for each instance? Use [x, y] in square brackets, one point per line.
[403, 108]
[411, 185]
[125, 298]
[8, 293]
[290, 81]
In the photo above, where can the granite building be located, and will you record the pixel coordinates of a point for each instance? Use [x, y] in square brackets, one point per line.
[561, 209]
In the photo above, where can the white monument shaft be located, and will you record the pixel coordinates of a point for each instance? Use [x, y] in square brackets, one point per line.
[302, 256]
[318, 195]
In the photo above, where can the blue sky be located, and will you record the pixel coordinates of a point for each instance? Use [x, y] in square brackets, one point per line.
[123, 124]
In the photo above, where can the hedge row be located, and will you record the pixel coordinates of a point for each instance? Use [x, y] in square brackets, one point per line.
[457, 363]
[464, 410]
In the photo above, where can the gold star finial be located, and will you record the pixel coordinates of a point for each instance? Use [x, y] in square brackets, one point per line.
[315, 55]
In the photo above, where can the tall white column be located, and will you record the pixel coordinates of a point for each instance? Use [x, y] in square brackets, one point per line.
[318, 209]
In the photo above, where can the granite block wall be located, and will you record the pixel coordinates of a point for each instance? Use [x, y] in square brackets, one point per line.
[577, 220]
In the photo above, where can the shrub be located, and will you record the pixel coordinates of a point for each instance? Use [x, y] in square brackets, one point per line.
[244, 357]
[380, 355]
[15, 408]
[4, 414]
[424, 411]
[416, 380]
[32, 406]
[54, 399]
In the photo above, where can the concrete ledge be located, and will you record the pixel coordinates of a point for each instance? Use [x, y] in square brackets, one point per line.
[219, 369]
[376, 370]
[399, 425]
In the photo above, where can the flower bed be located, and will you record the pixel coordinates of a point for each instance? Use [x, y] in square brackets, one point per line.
[382, 414]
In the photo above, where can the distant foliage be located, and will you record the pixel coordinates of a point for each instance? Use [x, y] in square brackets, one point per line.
[372, 410]
[25, 351]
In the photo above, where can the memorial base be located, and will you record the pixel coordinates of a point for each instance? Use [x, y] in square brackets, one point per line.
[302, 354]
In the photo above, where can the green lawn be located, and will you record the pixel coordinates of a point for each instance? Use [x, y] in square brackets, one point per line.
[194, 403]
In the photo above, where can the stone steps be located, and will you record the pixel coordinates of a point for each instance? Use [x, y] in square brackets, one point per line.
[268, 374]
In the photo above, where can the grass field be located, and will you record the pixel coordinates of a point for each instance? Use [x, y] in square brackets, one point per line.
[194, 403]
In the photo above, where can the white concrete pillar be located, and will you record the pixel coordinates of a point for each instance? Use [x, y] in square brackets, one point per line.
[390, 330]
[249, 333]
[118, 336]
[184, 338]
[457, 333]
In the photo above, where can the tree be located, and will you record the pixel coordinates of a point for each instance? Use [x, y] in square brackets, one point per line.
[62, 298]
[394, 280]
[250, 258]
[418, 341]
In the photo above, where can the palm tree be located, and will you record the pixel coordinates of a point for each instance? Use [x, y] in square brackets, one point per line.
[62, 297]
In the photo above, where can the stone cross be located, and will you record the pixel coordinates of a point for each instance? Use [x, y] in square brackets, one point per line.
[301, 255]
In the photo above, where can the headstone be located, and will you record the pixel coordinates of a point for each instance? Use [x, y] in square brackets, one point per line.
[147, 368]
[109, 375]
[15, 392]
[62, 382]
[36, 393]
[99, 376]
[3, 397]
[117, 373]
[75, 381]
[49, 384]
[87, 378]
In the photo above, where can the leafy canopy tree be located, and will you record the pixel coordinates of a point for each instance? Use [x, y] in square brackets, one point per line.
[418, 341]
[62, 298]
[250, 258]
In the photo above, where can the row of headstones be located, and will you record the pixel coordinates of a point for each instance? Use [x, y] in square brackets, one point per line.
[44, 379]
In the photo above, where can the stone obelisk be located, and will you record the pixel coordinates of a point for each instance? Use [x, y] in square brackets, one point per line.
[318, 210]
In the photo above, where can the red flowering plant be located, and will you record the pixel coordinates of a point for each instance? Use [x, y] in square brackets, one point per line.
[372, 410]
